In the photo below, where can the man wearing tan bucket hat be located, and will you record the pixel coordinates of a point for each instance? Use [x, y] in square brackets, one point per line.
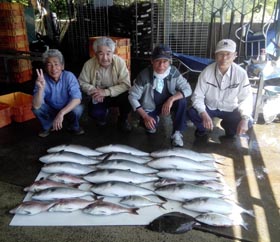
[223, 90]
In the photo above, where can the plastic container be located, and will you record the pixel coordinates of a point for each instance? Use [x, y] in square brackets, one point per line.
[20, 77]
[20, 104]
[20, 65]
[122, 48]
[12, 32]
[19, 43]
[5, 114]
[11, 6]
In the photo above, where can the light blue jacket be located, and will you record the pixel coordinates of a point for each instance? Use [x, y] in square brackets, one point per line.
[141, 94]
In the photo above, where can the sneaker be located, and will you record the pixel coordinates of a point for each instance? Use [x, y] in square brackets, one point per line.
[44, 133]
[177, 139]
[125, 126]
[198, 133]
[80, 131]
[151, 131]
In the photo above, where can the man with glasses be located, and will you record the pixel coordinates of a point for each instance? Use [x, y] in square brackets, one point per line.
[223, 90]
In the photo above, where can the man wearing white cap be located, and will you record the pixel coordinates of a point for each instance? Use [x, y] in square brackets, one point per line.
[223, 90]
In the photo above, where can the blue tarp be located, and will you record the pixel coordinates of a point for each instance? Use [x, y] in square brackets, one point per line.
[193, 63]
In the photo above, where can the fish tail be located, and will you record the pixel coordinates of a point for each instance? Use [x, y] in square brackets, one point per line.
[249, 212]
[244, 225]
[134, 211]
[161, 206]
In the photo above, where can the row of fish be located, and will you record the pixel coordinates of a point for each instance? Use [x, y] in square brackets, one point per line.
[81, 178]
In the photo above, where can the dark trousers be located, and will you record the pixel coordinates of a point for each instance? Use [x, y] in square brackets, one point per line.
[100, 111]
[178, 114]
[230, 120]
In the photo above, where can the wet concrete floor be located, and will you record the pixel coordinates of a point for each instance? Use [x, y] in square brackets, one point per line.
[251, 169]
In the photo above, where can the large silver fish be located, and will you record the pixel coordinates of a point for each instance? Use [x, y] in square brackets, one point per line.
[43, 184]
[185, 191]
[60, 193]
[65, 178]
[119, 189]
[176, 162]
[125, 156]
[216, 205]
[141, 201]
[107, 208]
[185, 175]
[70, 205]
[126, 165]
[181, 152]
[66, 156]
[104, 175]
[212, 184]
[121, 148]
[216, 219]
[32, 207]
[79, 149]
[67, 167]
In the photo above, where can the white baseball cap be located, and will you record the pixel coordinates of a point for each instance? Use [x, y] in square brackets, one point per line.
[226, 45]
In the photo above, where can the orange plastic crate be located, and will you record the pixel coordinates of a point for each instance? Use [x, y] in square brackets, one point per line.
[5, 114]
[20, 104]
[14, 45]
[20, 77]
[11, 6]
[20, 65]
[11, 9]
[12, 32]
[14, 19]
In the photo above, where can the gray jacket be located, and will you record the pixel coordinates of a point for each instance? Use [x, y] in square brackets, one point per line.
[141, 94]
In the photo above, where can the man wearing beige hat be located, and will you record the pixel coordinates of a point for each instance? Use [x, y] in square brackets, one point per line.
[223, 90]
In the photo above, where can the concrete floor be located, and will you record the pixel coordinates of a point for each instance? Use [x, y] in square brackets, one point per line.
[251, 169]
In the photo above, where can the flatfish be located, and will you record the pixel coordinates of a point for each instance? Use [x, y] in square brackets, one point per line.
[173, 223]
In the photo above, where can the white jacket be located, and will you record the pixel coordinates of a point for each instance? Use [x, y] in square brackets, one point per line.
[225, 93]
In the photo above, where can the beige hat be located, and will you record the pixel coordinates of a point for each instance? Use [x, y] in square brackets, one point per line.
[226, 45]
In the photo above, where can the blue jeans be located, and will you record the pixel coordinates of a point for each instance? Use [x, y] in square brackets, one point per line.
[178, 114]
[230, 120]
[47, 114]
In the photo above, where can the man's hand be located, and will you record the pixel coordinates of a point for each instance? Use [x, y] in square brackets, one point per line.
[242, 127]
[206, 121]
[57, 123]
[149, 122]
[98, 95]
[166, 107]
[40, 82]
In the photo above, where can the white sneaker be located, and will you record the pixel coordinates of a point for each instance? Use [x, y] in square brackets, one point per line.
[177, 139]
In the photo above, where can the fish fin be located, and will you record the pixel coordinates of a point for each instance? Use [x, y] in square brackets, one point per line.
[107, 156]
[84, 186]
[99, 198]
